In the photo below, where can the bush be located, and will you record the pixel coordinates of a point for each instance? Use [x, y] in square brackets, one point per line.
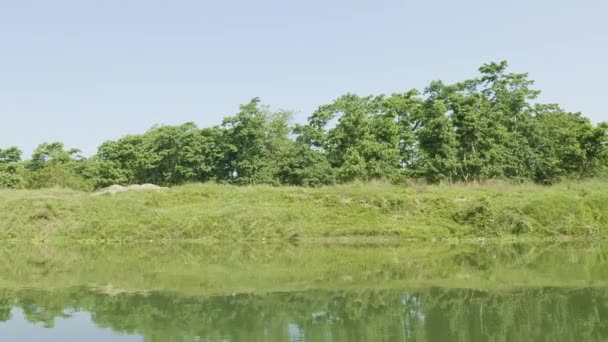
[57, 175]
[11, 180]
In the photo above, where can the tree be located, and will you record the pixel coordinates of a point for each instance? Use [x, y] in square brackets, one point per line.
[165, 155]
[52, 165]
[10, 155]
[437, 142]
[303, 166]
[53, 153]
[569, 145]
[10, 169]
[364, 141]
[405, 110]
[124, 161]
[485, 127]
[254, 138]
[492, 123]
[180, 154]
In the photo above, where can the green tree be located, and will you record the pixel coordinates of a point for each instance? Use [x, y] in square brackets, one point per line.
[437, 159]
[166, 155]
[180, 154]
[124, 161]
[52, 165]
[486, 127]
[568, 145]
[303, 166]
[254, 138]
[10, 155]
[405, 110]
[360, 135]
[492, 119]
[53, 153]
[10, 169]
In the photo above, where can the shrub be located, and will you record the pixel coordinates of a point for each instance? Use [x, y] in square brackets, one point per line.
[57, 175]
[11, 180]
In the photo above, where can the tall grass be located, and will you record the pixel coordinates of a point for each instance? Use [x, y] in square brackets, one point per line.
[264, 213]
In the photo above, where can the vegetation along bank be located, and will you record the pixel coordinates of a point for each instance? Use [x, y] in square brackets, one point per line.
[488, 127]
[344, 172]
[212, 212]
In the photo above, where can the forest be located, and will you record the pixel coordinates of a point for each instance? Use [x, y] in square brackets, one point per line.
[484, 128]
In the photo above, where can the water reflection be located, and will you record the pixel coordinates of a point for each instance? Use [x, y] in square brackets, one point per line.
[417, 292]
[75, 327]
[435, 314]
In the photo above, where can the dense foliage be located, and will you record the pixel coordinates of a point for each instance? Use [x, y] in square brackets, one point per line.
[488, 127]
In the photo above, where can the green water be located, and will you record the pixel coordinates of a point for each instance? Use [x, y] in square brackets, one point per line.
[430, 292]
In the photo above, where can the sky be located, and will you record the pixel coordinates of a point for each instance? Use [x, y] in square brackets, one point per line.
[85, 71]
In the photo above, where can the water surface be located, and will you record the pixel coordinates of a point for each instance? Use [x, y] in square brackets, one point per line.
[432, 292]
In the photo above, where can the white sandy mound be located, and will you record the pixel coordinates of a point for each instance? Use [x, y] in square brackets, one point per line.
[115, 189]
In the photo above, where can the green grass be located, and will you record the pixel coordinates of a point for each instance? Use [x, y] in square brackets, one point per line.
[214, 212]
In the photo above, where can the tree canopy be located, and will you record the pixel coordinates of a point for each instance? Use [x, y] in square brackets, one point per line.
[487, 127]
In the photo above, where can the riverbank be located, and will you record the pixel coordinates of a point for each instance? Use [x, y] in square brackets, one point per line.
[211, 212]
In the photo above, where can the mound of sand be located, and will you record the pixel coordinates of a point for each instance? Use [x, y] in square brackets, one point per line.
[115, 189]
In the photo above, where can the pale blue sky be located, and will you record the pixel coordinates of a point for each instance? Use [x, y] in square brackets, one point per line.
[84, 71]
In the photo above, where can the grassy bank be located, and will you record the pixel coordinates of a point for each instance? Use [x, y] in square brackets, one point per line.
[383, 211]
